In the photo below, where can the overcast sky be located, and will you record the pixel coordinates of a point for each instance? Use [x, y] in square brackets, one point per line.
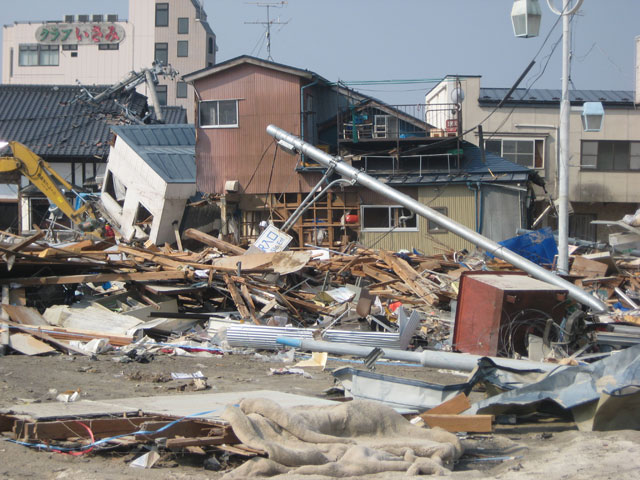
[353, 40]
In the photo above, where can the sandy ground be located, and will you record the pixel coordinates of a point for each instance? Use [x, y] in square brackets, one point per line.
[540, 450]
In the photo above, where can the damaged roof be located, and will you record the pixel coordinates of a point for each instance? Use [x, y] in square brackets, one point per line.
[169, 149]
[53, 122]
[494, 169]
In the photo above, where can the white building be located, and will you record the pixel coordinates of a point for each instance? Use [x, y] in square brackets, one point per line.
[151, 173]
[103, 49]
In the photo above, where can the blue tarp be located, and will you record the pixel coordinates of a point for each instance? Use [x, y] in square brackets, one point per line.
[538, 246]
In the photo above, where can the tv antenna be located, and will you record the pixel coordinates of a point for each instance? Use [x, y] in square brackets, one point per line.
[269, 22]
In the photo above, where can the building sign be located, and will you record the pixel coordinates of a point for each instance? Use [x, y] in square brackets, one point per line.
[85, 33]
[272, 240]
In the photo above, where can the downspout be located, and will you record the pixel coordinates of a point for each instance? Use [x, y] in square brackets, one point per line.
[347, 171]
[478, 204]
[302, 113]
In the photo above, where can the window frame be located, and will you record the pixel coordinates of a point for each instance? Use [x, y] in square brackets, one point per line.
[39, 50]
[183, 44]
[162, 8]
[166, 51]
[186, 89]
[533, 140]
[596, 156]
[390, 219]
[218, 125]
[181, 23]
[162, 93]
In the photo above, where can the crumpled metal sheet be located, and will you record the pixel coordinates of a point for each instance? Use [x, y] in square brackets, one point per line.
[574, 387]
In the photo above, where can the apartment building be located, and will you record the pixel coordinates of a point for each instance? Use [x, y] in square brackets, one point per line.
[102, 49]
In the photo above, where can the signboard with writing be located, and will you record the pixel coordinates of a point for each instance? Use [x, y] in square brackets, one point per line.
[79, 33]
[272, 240]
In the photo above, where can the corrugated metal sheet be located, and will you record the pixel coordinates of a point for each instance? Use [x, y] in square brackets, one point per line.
[246, 153]
[552, 96]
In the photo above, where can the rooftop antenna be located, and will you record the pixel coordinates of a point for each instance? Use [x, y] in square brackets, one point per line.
[269, 22]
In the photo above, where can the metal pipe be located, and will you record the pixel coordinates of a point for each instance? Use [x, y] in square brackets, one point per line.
[154, 96]
[406, 201]
[427, 358]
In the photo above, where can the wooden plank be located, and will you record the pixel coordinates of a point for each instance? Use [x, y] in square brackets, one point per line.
[98, 278]
[409, 276]
[211, 241]
[184, 428]
[582, 267]
[237, 298]
[101, 428]
[53, 335]
[152, 257]
[178, 443]
[27, 345]
[176, 232]
[240, 450]
[27, 241]
[249, 301]
[453, 406]
[25, 315]
[460, 423]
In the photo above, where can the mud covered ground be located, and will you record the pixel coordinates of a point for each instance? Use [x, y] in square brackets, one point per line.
[537, 450]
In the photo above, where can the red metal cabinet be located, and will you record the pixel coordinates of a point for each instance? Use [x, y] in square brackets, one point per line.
[491, 305]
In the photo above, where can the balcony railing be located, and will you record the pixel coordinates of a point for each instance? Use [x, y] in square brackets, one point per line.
[407, 165]
[394, 122]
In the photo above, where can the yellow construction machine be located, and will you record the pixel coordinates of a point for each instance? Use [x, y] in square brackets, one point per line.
[40, 173]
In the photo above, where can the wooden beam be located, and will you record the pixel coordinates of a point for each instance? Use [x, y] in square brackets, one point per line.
[252, 308]
[453, 406]
[460, 423]
[211, 241]
[237, 298]
[54, 334]
[409, 276]
[178, 443]
[97, 278]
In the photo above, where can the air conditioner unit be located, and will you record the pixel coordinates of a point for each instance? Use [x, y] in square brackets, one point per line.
[231, 186]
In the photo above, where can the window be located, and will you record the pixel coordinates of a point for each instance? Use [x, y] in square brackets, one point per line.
[183, 48]
[162, 53]
[219, 113]
[70, 47]
[183, 25]
[162, 14]
[610, 155]
[386, 218]
[108, 46]
[97, 18]
[528, 153]
[83, 18]
[210, 45]
[433, 227]
[36, 54]
[181, 90]
[161, 91]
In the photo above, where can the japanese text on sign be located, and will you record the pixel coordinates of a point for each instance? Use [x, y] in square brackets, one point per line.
[79, 33]
[272, 240]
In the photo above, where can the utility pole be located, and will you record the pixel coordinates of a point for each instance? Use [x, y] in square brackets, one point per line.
[269, 22]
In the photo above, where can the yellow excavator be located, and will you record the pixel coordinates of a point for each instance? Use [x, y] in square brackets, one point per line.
[40, 173]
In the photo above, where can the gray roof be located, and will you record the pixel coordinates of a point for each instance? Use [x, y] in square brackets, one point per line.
[494, 169]
[523, 96]
[54, 122]
[168, 149]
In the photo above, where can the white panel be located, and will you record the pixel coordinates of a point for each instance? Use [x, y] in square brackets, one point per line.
[78, 168]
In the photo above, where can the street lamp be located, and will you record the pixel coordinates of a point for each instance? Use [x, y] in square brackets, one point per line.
[563, 161]
[592, 116]
[526, 16]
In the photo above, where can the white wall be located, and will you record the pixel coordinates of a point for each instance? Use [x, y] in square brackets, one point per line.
[164, 201]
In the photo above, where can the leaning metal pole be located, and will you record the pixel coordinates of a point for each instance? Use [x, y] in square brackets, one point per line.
[485, 243]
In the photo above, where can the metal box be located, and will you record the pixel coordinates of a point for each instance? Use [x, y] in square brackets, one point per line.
[497, 311]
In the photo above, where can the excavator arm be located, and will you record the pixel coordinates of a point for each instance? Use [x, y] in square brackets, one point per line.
[42, 176]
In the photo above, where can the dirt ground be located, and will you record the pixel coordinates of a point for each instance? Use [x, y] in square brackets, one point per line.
[540, 450]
